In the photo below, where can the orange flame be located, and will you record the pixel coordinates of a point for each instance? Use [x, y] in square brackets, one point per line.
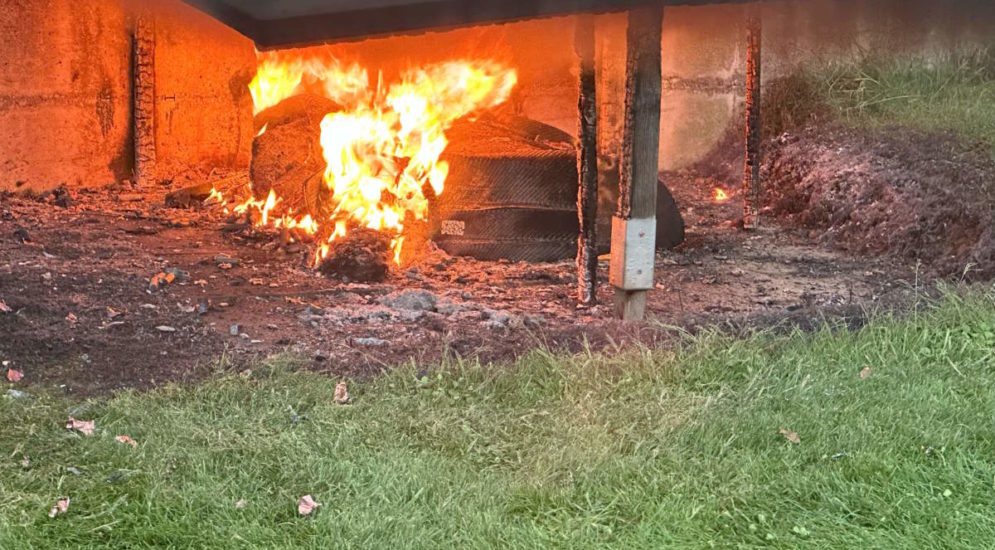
[382, 150]
[720, 195]
[284, 74]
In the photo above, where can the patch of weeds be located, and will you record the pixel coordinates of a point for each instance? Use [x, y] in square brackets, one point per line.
[953, 93]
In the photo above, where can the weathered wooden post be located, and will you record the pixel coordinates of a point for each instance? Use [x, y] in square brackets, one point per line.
[587, 164]
[634, 225]
[143, 52]
[752, 200]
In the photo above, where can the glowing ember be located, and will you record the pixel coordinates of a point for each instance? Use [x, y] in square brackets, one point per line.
[382, 150]
[720, 195]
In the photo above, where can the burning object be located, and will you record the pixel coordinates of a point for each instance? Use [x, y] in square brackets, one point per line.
[343, 155]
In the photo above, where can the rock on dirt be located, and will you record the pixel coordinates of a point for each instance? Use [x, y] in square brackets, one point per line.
[370, 342]
[913, 195]
[412, 300]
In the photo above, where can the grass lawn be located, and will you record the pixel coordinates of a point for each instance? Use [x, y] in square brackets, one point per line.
[646, 449]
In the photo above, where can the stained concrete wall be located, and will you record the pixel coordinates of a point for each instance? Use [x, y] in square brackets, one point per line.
[65, 74]
[704, 53]
[203, 106]
[64, 89]
[66, 92]
[703, 57]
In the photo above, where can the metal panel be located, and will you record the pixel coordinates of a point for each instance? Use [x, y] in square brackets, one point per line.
[287, 23]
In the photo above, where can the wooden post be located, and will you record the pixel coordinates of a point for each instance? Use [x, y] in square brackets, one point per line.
[144, 104]
[634, 225]
[587, 164]
[752, 201]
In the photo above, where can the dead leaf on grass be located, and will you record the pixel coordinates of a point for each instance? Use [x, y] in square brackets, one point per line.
[790, 435]
[14, 375]
[4, 308]
[341, 393]
[306, 505]
[127, 440]
[26, 462]
[865, 373]
[61, 507]
[240, 504]
[72, 319]
[85, 427]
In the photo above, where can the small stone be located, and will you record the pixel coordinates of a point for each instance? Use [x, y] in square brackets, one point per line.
[21, 235]
[534, 321]
[411, 316]
[16, 394]
[412, 300]
[234, 330]
[449, 307]
[165, 328]
[370, 342]
[500, 317]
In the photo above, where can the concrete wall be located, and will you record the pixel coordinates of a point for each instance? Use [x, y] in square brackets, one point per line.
[203, 105]
[64, 89]
[66, 92]
[65, 74]
[703, 57]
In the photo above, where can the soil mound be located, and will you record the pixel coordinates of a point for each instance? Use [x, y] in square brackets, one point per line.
[920, 196]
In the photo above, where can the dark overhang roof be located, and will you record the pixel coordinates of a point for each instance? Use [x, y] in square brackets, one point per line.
[285, 23]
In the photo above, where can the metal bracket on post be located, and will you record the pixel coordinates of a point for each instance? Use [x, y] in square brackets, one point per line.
[635, 239]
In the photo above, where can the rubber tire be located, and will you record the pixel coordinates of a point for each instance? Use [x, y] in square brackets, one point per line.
[533, 179]
[669, 222]
[514, 234]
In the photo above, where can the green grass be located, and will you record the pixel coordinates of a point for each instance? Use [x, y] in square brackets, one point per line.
[955, 93]
[643, 449]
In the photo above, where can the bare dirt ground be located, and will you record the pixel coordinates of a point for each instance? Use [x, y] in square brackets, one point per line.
[77, 273]
[924, 197]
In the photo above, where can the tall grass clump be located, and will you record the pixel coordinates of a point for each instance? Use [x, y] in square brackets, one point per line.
[954, 92]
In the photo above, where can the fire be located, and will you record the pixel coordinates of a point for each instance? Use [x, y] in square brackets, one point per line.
[720, 195]
[285, 74]
[382, 149]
